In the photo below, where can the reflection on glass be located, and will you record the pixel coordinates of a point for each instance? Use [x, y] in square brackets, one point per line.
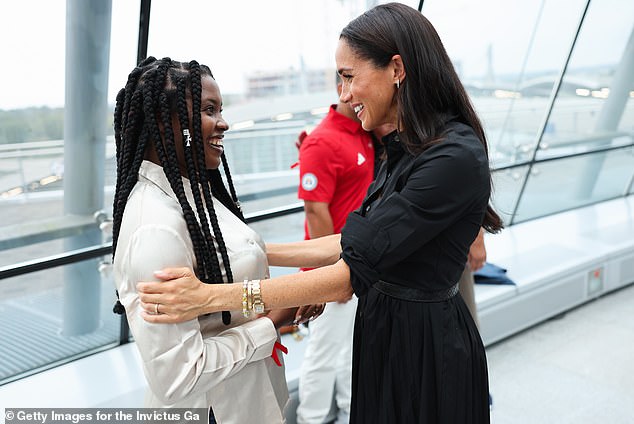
[32, 321]
[31, 105]
[254, 50]
[280, 230]
[595, 106]
[507, 184]
[558, 185]
[509, 65]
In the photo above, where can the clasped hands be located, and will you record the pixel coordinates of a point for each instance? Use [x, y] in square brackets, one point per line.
[181, 296]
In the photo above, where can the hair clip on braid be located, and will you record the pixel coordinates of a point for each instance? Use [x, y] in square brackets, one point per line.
[188, 138]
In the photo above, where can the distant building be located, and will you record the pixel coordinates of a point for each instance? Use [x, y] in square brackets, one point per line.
[289, 81]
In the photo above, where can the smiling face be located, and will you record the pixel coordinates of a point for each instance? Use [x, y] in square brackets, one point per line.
[213, 125]
[369, 90]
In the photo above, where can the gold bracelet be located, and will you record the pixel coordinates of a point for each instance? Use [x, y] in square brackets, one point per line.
[258, 305]
[245, 297]
[250, 297]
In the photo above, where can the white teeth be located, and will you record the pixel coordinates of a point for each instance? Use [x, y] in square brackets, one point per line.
[358, 108]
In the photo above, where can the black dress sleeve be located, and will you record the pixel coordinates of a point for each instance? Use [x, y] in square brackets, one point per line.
[445, 183]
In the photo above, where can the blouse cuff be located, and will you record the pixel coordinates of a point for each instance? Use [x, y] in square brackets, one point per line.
[263, 336]
[362, 244]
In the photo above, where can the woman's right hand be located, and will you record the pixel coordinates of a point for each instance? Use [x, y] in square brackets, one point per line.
[180, 297]
[477, 253]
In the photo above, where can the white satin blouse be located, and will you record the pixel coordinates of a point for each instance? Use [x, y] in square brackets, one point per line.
[199, 363]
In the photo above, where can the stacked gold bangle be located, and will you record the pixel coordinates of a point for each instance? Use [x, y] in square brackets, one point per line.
[251, 298]
[245, 298]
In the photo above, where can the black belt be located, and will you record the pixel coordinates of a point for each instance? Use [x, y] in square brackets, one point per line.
[414, 295]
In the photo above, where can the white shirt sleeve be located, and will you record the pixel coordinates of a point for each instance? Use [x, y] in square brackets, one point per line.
[177, 360]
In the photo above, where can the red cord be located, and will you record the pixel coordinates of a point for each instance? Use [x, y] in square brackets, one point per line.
[278, 346]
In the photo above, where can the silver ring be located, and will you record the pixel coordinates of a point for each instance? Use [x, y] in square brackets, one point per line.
[156, 312]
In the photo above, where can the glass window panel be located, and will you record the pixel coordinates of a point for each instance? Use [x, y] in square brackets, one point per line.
[264, 159]
[595, 105]
[508, 62]
[28, 251]
[276, 79]
[279, 230]
[45, 317]
[259, 191]
[284, 53]
[50, 315]
[507, 184]
[283, 229]
[124, 34]
[32, 168]
[32, 123]
[31, 110]
[561, 184]
[21, 243]
[23, 83]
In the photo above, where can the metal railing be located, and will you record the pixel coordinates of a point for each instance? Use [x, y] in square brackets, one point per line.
[97, 251]
[70, 257]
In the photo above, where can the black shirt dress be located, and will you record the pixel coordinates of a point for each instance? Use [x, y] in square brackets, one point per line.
[417, 354]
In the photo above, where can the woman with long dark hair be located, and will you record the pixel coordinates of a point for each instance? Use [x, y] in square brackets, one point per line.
[418, 356]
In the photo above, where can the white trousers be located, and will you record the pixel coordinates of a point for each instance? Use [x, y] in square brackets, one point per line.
[327, 366]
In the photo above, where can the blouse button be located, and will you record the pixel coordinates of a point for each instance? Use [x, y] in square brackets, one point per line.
[367, 208]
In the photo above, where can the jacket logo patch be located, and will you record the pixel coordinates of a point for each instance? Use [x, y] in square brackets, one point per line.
[309, 181]
[360, 159]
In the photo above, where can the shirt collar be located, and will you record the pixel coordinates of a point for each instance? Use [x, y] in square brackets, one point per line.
[393, 147]
[155, 174]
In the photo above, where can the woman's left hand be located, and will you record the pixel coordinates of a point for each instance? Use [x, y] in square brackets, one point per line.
[308, 313]
[179, 297]
[281, 317]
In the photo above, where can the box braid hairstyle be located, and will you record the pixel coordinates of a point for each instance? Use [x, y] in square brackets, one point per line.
[158, 90]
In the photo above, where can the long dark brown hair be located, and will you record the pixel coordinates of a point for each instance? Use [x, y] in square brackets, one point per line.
[431, 91]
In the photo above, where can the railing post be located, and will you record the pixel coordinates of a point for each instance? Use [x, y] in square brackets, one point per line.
[87, 64]
[610, 117]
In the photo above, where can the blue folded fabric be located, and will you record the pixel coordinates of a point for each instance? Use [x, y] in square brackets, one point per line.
[491, 274]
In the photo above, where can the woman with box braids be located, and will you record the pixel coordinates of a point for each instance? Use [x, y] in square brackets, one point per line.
[172, 209]
[177, 77]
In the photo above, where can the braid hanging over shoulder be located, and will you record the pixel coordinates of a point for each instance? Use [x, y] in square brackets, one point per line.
[160, 104]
